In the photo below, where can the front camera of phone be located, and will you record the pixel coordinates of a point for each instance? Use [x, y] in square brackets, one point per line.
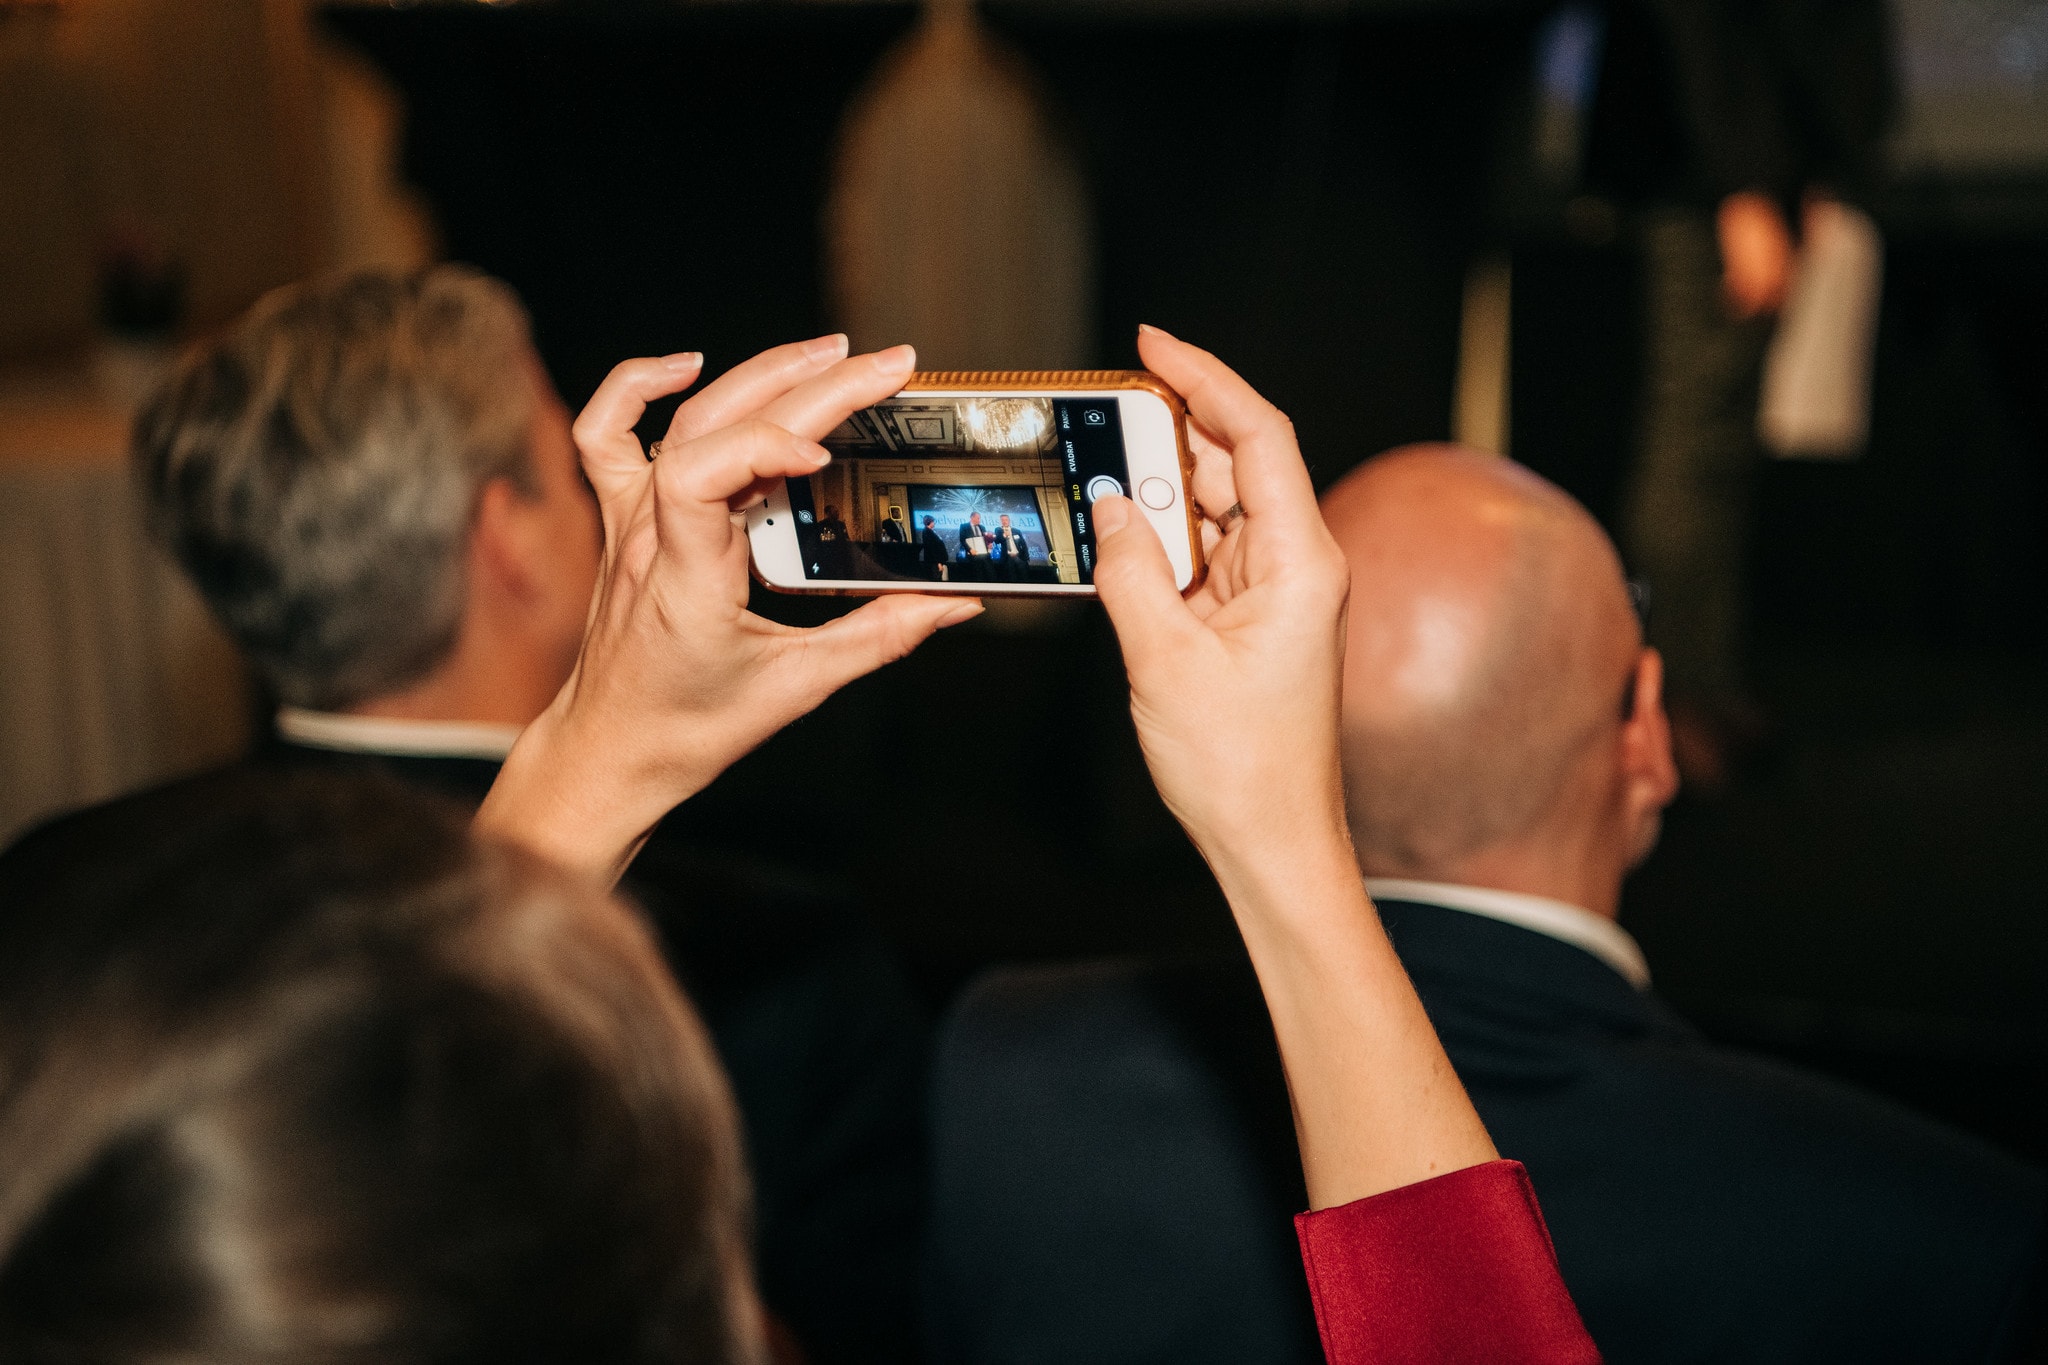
[771, 521]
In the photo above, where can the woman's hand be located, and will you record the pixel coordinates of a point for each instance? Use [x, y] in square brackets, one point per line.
[677, 679]
[1234, 689]
[1235, 693]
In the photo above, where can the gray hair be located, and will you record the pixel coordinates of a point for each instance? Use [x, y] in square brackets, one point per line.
[316, 470]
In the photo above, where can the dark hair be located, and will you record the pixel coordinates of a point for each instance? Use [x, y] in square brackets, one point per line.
[291, 1068]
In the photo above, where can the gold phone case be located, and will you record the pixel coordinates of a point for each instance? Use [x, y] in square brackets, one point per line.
[1049, 381]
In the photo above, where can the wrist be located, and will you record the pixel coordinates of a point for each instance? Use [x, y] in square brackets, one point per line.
[555, 798]
[1285, 873]
[1279, 819]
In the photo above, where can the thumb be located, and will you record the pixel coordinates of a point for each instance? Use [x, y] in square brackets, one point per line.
[881, 632]
[1134, 579]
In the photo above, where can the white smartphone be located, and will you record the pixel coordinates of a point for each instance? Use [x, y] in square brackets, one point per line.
[981, 482]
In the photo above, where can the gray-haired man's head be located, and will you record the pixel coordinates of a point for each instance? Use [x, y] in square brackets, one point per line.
[318, 470]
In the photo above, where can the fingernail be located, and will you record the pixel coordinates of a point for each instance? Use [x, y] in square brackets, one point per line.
[1112, 514]
[966, 611]
[1147, 329]
[826, 348]
[683, 360]
[897, 358]
[819, 455]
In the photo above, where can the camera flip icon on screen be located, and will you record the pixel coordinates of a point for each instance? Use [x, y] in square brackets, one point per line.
[1095, 417]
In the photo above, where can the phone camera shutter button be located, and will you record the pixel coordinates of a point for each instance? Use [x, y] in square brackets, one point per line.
[1156, 494]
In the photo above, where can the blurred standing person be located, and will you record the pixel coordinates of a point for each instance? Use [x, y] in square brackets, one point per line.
[1720, 123]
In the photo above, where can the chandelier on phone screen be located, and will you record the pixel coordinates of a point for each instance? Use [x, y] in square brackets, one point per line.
[1009, 423]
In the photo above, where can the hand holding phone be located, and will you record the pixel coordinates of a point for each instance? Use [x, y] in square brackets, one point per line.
[1234, 687]
[676, 678]
[1234, 690]
[983, 482]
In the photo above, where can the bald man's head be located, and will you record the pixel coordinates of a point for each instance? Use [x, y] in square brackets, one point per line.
[1491, 645]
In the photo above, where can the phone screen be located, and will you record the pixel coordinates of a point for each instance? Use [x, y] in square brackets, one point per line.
[971, 489]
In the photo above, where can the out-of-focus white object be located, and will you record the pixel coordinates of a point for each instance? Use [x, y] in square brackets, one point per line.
[1816, 387]
[112, 674]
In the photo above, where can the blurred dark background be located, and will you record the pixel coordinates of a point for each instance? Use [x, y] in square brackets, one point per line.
[1328, 195]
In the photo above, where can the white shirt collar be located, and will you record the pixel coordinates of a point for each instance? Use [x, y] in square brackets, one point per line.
[390, 735]
[1581, 928]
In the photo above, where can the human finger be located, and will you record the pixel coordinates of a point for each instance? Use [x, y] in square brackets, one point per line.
[752, 384]
[814, 407]
[1214, 484]
[613, 460]
[699, 480]
[881, 632]
[1266, 464]
[1134, 579]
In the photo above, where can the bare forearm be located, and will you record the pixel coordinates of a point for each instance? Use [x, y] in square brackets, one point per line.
[555, 799]
[1376, 1103]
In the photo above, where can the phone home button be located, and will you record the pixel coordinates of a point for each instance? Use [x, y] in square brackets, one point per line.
[1156, 494]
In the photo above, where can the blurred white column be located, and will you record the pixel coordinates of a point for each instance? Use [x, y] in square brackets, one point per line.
[1479, 416]
[112, 674]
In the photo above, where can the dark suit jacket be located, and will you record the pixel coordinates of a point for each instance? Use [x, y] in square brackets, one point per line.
[1121, 1135]
[893, 532]
[1700, 98]
[1000, 546]
[822, 1040]
[968, 528]
[931, 547]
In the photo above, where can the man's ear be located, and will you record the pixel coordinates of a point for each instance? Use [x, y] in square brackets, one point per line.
[504, 551]
[1649, 776]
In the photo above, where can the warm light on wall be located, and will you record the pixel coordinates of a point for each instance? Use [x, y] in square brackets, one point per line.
[1009, 423]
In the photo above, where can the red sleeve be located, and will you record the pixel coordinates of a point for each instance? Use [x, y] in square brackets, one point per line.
[1455, 1269]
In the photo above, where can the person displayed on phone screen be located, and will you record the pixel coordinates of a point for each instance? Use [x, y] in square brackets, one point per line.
[974, 547]
[931, 550]
[1012, 551]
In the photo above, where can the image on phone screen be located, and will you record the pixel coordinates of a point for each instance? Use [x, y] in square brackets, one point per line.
[962, 490]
